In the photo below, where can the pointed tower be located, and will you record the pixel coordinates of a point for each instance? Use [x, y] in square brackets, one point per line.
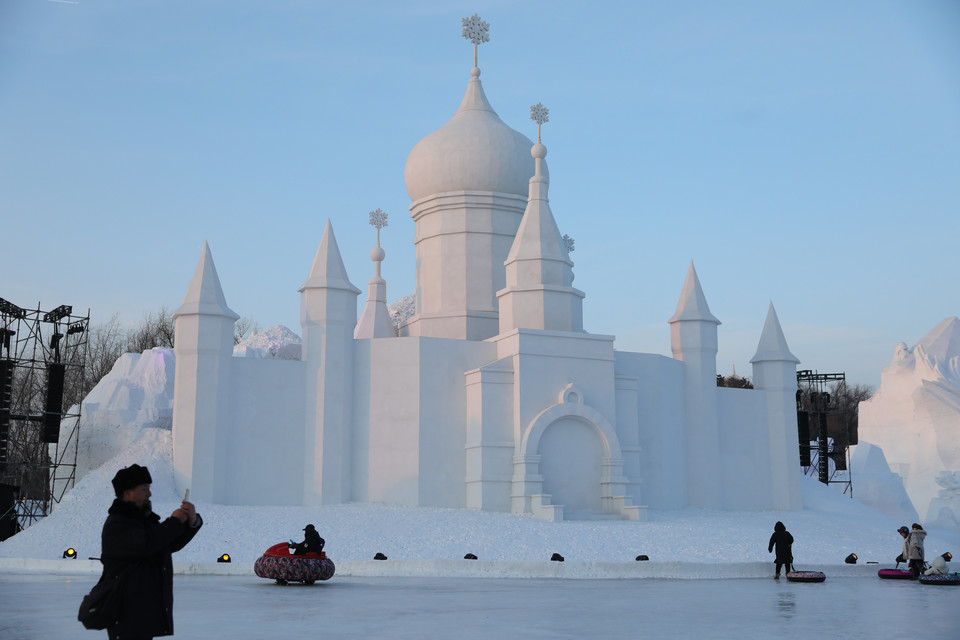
[693, 339]
[328, 315]
[203, 346]
[539, 292]
[375, 321]
[468, 184]
[775, 373]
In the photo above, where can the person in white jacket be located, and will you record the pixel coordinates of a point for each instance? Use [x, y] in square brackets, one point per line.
[939, 567]
[915, 549]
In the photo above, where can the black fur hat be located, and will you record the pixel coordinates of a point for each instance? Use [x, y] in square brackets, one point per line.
[130, 477]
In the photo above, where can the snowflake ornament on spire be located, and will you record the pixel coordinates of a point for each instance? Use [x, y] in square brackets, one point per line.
[567, 243]
[378, 219]
[539, 114]
[476, 31]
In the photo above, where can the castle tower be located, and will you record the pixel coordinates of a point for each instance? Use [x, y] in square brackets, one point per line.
[468, 184]
[375, 321]
[775, 373]
[203, 346]
[539, 292]
[693, 339]
[328, 315]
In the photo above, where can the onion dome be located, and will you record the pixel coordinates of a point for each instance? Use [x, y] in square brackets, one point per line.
[473, 151]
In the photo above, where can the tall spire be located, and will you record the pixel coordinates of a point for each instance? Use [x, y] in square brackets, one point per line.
[375, 321]
[773, 344]
[205, 295]
[539, 292]
[327, 271]
[693, 304]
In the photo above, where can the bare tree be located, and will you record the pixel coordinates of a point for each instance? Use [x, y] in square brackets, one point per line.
[155, 330]
[244, 327]
[845, 399]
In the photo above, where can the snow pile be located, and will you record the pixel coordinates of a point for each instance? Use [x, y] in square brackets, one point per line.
[137, 394]
[877, 487]
[915, 418]
[830, 527]
[403, 309]
[276, 342]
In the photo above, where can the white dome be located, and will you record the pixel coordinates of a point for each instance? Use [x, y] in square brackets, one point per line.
[473, 151]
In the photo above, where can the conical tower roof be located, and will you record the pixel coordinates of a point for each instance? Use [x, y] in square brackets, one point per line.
[773, 344]
[205, 295]
[327, 271]
[693, 304]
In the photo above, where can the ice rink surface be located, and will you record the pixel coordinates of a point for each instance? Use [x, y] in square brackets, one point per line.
[45, 606]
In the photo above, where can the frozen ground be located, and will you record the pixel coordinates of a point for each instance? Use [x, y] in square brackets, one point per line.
[44, 606]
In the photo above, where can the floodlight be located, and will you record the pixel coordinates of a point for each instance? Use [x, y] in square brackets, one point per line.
[70, 553]
[642, 558]
[947, 556]
[851, 559]
[224, 558]
[556, 558]
[469, 556]
[379, 556]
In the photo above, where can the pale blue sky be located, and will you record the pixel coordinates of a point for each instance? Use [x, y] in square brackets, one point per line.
[806, 153]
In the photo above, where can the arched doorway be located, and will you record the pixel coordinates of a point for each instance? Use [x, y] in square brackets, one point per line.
[571, 454]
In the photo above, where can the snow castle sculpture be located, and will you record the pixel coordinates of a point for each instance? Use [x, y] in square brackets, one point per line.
[492, 396]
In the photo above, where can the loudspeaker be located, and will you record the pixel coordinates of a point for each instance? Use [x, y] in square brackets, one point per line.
[8, 517]
[51, 417]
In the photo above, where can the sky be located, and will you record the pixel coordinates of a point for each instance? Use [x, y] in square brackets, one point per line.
[804, 153]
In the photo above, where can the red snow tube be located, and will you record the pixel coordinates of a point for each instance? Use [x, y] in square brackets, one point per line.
[278, 564]
[806, 576]
[896, 574]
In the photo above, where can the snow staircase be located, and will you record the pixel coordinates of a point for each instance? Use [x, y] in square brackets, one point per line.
[616, 508]
[542, 508]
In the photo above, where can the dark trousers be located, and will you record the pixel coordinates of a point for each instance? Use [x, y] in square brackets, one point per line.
[916, 566]
[782, 563]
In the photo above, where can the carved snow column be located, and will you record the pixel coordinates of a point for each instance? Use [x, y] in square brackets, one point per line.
[693, 339]
[539, 292]
[375, 321]
[328, 315]
[775, 373]
[203, 346]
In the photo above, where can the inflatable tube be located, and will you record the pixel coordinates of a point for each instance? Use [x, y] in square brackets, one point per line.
[806, 576]
[278, 564]
[896, 574]
[946, 579]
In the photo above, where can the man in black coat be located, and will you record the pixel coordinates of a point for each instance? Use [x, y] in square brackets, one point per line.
[311, 542]
[134, 538]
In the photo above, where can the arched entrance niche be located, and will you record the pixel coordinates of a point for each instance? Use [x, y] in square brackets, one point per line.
[572, 453]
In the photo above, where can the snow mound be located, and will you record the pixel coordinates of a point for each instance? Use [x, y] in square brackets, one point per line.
[136, 394]
[878, 487]
[276, 342]
[915, 415]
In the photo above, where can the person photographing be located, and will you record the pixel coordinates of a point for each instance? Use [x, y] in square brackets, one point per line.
[138, 544]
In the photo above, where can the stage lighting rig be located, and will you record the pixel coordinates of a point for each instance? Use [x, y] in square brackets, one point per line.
[58, 314]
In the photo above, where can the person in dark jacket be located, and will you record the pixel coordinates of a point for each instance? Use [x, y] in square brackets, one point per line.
[783, 541]
[135, 539]
[311, 542]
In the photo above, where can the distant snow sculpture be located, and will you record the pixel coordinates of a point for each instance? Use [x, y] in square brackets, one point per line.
[915, 418]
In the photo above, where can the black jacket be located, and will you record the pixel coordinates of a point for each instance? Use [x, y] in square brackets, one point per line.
[130, 538]
[312, 542]
[783, 541]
